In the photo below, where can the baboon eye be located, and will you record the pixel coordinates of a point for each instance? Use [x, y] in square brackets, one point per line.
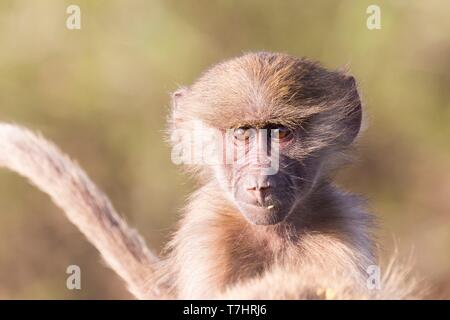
[242, 134]
[281, 133]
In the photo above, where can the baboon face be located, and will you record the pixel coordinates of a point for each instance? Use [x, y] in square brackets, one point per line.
[284, 117]
[264, 178]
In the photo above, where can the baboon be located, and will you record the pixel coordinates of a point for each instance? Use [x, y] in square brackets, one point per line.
[248, 231]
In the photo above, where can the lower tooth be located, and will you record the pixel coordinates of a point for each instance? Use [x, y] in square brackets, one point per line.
[270, 207]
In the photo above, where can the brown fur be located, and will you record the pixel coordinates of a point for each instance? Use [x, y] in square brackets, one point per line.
[321, 251]
[215, 247]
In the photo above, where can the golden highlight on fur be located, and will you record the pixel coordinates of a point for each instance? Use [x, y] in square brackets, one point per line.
[321, 250]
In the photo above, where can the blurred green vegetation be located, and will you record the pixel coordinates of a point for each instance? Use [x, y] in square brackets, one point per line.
[101, 93]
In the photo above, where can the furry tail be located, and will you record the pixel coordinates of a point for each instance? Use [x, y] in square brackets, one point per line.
[84, 204]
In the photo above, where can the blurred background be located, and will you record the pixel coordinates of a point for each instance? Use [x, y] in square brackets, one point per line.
[102, 94]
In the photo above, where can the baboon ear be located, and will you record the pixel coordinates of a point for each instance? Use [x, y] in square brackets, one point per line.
[178, 95]
[352, 110]
[177, 98]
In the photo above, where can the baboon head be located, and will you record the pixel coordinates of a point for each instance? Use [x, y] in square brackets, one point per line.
[275, 122]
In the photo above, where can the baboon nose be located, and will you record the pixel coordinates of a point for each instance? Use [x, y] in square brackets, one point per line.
[260, 195]
[258, 186]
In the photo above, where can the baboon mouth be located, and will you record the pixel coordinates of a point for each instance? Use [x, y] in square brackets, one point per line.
[258, 206]
[261, 215]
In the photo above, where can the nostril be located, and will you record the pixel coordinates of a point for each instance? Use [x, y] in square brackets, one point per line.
[264, 187]
[258, 188]
[260, 193]
[258, 183]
